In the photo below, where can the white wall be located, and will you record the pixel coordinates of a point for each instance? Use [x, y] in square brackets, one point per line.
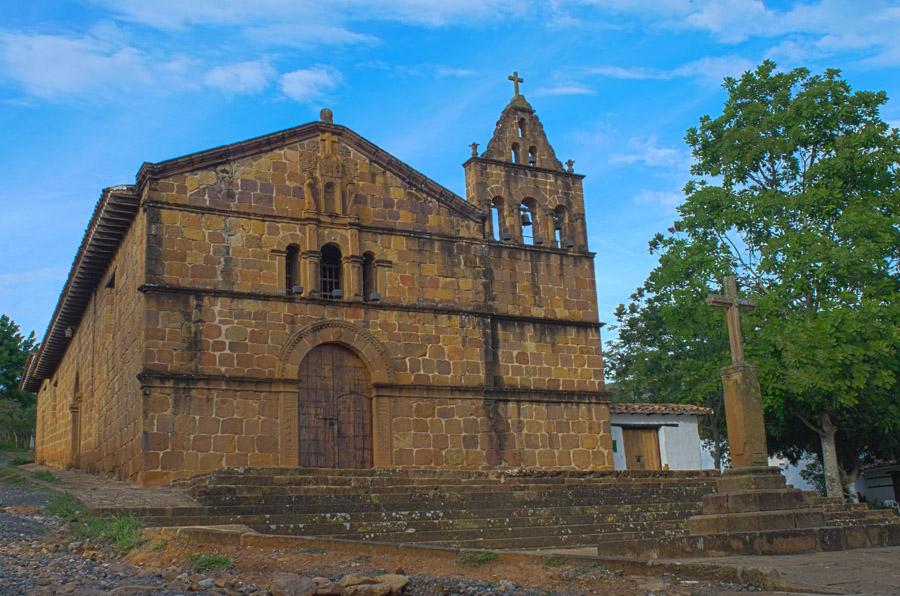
[876, 484]
[679, 446]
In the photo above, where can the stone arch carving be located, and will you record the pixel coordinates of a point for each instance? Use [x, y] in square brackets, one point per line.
[360, 341]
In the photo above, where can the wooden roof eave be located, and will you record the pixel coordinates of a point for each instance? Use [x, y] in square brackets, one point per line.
[109, 223]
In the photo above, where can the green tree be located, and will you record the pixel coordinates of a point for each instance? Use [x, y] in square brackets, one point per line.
[14, 351]
[795, 190]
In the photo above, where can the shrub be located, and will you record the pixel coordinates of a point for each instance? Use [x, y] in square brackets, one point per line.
[201, 562]
[477, 558]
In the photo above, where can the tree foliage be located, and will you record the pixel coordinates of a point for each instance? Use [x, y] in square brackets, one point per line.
[17, 408]
[795, 190]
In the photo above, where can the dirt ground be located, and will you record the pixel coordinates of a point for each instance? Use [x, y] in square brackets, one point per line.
[552, 575]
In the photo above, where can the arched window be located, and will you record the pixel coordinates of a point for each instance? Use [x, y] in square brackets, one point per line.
[559, 226]
[497, 218]
[330, 273]
[329, 199]
[369, 281]
[532, 156]
[527, 221]
[521, 128]
[515, 153]
[291, 279]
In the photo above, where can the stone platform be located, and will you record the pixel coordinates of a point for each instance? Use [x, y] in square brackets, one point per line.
[627, 513]
[469, 509]
[754, 512]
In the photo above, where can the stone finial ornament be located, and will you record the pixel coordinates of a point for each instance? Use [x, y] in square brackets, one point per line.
[474, 148]
[326, 115]
[570, 166]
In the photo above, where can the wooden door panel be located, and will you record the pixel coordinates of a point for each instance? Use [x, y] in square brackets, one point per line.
[334, 409]
[641, 448]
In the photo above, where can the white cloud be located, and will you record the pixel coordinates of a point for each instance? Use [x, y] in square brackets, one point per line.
[649, 153]
[711, 69]
[50, 66]
[300, 23]
[623, 72]
[305, 35]
[809, 29]
[241, 77]
[309, 84]
[658, 198]
[453, 72]
[569, 89]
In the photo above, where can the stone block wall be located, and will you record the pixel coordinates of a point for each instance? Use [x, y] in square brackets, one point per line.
[479, 433]
[208, 334]
[192, 427]
[105, 356]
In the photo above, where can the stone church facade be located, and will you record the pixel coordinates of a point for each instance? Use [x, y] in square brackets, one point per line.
[306, 299]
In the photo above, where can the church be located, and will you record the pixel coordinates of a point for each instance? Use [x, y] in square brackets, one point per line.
[306, 299]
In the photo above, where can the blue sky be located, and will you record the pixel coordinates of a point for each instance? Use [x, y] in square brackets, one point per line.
[89, 90]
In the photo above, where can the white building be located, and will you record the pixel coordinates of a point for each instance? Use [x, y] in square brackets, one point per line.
[880, 483]
[656, 436]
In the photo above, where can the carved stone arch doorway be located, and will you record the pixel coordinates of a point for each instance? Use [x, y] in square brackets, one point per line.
[334, 409]
[371, 367]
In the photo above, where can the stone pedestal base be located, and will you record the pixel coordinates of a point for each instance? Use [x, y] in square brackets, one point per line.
[752, 500]
[754, 512]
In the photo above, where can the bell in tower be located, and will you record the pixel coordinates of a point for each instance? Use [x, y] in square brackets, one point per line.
[531, 198]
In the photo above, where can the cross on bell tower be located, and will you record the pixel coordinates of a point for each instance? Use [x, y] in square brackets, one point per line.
[516, 79]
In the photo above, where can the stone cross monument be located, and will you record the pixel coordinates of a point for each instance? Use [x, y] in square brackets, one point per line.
[743, 400]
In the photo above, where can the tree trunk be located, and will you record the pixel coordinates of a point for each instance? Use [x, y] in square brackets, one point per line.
[830, 465]
[850, 477]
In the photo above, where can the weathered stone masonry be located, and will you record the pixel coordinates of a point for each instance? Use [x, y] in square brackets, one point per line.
[481, 345]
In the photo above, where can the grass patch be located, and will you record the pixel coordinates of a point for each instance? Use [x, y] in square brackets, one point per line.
[553, 562]
[44, 475]
[124, 532]
[66, 507]
[160, 546]
[201, 563]
[11, 476]
[21, 460]
[477, 559]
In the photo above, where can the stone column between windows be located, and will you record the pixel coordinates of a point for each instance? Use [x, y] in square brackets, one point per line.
[309, 272]
[548, 231]
[352, 282]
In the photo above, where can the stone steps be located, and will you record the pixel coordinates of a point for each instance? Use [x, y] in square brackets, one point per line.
[530, 534]
[444, 501]
[852, 517]
[487, 509]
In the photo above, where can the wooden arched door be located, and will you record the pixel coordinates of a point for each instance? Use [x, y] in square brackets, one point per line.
[334, 413]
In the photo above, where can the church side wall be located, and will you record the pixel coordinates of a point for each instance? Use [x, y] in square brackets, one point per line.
[105, 356]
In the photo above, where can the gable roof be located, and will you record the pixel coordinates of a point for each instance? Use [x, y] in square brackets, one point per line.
[663, 409]
[225, 153]
[118, 206]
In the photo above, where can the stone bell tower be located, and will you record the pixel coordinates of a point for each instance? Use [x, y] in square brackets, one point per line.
[532, 198]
